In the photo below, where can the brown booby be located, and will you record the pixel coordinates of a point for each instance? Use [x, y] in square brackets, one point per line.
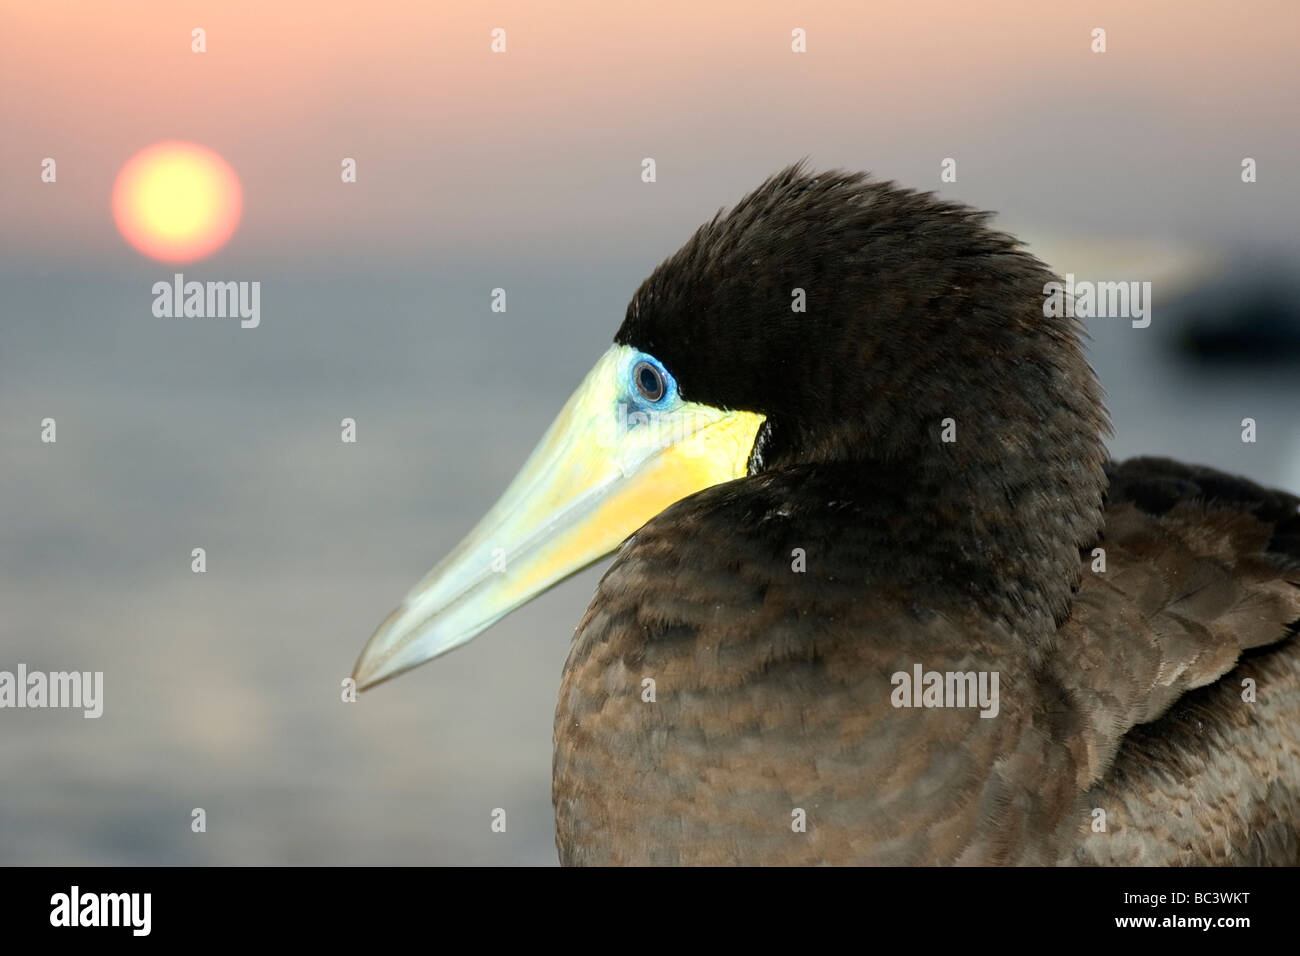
[879, 595]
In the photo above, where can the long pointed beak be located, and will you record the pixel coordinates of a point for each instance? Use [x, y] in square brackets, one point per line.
[603, 468]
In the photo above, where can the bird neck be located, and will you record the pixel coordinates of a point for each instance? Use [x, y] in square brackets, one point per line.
[986, 500]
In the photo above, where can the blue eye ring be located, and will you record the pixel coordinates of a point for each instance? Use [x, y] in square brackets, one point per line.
[650, 381]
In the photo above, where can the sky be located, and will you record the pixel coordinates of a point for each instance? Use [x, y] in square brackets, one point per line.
[465, 153]
[475, 171]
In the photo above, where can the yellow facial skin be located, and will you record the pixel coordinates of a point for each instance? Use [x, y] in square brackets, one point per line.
[607, 464]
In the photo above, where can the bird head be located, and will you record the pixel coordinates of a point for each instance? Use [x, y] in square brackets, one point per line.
[827, 317]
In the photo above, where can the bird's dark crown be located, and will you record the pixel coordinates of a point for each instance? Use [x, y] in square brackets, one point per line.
[921, 322]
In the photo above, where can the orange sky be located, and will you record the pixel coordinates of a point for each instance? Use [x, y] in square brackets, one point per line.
[460, 149]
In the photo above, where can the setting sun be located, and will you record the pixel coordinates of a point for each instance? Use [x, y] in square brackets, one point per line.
[177, 202]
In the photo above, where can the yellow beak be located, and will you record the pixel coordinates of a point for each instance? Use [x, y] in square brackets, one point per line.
[606, 465]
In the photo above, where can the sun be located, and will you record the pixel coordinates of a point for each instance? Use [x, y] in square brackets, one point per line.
[176, 201]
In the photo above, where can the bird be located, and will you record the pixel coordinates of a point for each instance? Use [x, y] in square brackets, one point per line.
[879, 595]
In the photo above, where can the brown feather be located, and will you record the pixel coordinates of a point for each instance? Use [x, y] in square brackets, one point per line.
[773, 693]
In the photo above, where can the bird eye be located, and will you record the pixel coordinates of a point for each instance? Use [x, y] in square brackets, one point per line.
[649, 381]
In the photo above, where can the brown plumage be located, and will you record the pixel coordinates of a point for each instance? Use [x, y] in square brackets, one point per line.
[927, 492]
[1212, 566]
[767, 701]
[772, 688]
